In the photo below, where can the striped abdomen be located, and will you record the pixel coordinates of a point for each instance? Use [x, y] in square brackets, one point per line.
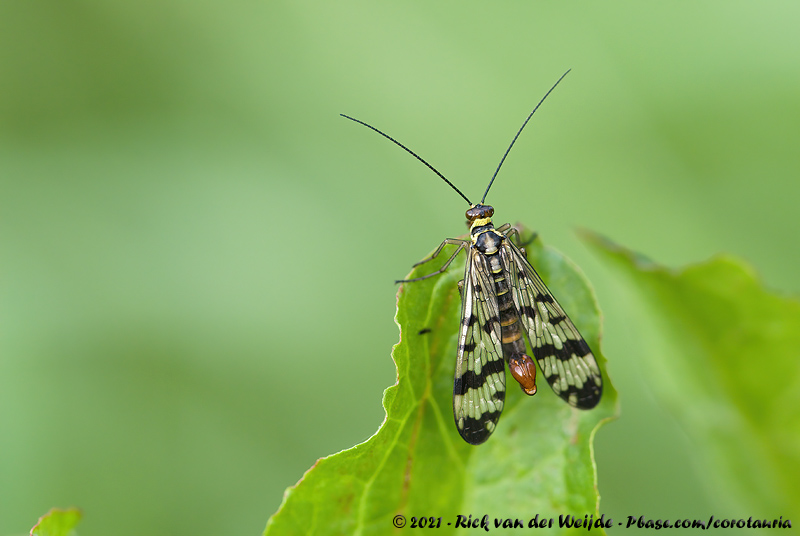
[521, 366]
[513, 343]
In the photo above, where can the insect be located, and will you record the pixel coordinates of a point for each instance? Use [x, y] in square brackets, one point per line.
[503, 298]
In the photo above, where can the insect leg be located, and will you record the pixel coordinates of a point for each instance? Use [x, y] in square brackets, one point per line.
[454, 241]
[514, 231]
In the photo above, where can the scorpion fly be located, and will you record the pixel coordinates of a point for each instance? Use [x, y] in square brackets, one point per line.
[504, 299]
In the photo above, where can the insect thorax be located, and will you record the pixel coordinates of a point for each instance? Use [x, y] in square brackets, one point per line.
[486, 239]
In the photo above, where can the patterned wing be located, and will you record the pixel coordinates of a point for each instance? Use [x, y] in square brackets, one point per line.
[480, 379]
[563, 356]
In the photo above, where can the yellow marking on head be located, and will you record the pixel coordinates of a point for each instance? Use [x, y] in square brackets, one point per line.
[480, 222]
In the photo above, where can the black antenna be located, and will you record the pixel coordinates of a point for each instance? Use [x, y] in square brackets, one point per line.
[518, 133]
[415, 155]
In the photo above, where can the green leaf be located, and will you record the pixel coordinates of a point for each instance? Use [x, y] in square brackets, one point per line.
[724, 357]
[57, 522]
[538, 461]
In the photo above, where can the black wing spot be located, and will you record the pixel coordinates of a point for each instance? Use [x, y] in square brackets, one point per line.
[579, 347]
[546, 350]
[495, 366]
[529, 311]
[588, 395]
[474, 431]
[470, 380]
[460, 386]
[469, 347]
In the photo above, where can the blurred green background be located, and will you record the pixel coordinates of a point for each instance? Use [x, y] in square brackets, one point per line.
[198, 253]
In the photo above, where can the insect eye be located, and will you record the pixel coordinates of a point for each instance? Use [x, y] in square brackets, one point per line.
[479, 211]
